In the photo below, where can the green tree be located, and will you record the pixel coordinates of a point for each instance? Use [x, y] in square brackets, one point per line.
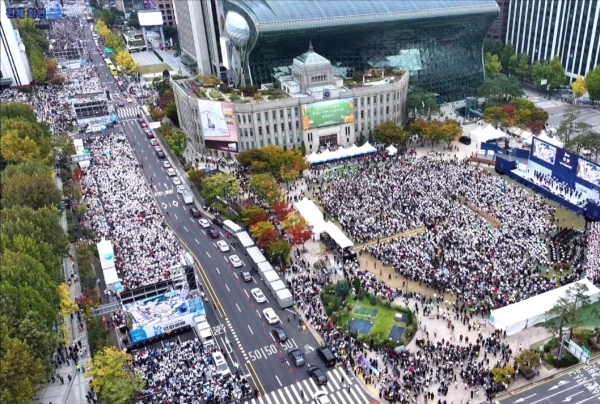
[196, 177]
[18, 300]
[171, 113]
[538, 73]
[513, 64]
[421, 103]
[566, 312]
[260, 228]
[177, 141]
[21, 373]
[39, 132]
[35, 189]
[110, 377]
[523, 69]
[493, 67]
[14, 110]
[220, 186]
[98, 335]
[592, 83]
[266, 188]
[578, 87]
[42, 341]
[566, 129]
[556, 72]
[389, 133]
[17, 150]
[113, 41]
[280, 251]
[451, 131]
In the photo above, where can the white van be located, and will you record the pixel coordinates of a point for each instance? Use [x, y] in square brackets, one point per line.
[221, 364]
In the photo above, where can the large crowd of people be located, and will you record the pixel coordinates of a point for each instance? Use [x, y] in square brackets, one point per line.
[490, 263]
[593, 253]
[185, 373]
[122, 210]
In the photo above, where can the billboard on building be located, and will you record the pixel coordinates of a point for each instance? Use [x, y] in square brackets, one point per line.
[544, 151]
[150, 18]
[327, 113]
[218, 125]
[589, 172]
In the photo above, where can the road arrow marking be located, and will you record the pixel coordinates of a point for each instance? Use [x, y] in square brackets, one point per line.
[558, 385]
[525, 398]
[566, 400]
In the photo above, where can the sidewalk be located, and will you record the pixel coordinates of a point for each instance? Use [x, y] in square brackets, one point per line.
[73, 392]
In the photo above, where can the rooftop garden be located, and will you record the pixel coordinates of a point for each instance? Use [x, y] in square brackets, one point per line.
[212, 88]
[372, 76]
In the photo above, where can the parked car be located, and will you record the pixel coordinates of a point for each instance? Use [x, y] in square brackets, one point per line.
[160, 154]
[171, 172]
[213, 233]
[465, 140]
[246, 276]
[279, 334]
[235, 261]
[271, 316]
[223, 246]
[218, 221]
[221, 364]
[258, 295]
[195, 212]
[325, 353]
[205, 224]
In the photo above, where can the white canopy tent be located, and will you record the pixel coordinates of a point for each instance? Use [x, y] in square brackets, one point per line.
[107, 262]
[391, 150]
[552, 140]
[488, 133]
[341, 153]
[313, 216]
[516, 317]
[366, 149]
[338, 235]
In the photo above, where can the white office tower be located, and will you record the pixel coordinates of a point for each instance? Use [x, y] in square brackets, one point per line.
[198, 34]
[13, 59]
[547, 28]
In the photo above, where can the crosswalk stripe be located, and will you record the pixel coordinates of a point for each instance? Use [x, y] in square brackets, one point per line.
[353, 393]
[347, 395]
[360, 393]
[334, 399]
[333, 381]
[313, 385]
[289, 394]
[295, 393]
[267, 399]
[280, 391]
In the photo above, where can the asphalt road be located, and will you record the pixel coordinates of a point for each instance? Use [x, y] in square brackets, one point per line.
[244, 333]
[576, 387]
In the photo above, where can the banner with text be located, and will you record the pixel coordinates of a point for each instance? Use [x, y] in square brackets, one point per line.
[327, 113]
[218, 124]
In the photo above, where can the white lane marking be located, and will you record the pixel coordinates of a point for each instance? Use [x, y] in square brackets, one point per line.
[176, 218]
[279, 381]
[240, 310]
[250, 329]
[196, 240]
[185, 228]
[227, 288]
[218, 270]
[208, 254]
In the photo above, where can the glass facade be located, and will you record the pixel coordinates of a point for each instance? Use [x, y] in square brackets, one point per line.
[440, 47]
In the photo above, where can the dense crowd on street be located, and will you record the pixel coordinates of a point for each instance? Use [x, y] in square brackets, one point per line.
[53, 103]
[185, 373]
[593, 253]
[121, 209]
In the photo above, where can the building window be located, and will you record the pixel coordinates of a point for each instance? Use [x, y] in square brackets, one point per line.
[260, 130]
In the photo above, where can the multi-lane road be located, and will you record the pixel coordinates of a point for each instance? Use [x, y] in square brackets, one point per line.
[579, 386]
[241, 328]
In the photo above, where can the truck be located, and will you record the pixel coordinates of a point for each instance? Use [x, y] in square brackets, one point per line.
[188, 198]
[284, 298]
[204, 332]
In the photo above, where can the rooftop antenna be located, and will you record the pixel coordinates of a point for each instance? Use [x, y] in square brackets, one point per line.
[310, 47]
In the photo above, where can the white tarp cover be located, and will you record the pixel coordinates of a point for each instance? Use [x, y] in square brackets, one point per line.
[516, 317]
[489, 133]
[340, 153]
[366, 149]
[312, 214]
[106, 254]
[338, 235]
[84, 164]
[110, 276]
[245, 239]
[391, 150]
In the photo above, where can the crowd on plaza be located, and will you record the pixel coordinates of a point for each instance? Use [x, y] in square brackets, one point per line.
[400, 376]
[459, 250]
[593, 253]
[185, 373]
[121, 209]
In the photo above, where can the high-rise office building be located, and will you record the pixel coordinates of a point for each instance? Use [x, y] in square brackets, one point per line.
[438, 42]
[14, 64]
[547, 28]
[497, 31]
[198, 31]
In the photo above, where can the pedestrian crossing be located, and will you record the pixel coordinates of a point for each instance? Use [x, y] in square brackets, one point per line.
[129, 112]
[341, 389]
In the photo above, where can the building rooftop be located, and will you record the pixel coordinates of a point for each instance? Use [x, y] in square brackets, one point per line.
[312, 58]
[277, 11]
[246, 95]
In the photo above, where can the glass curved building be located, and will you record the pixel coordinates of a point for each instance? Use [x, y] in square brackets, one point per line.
[439, 42]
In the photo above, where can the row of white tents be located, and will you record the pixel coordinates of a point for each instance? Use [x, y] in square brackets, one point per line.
[341, 153]
[489, 133]
[314, 217]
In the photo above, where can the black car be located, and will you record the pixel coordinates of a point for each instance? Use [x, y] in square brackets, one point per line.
[296, 357]
[279, 334]
[195, 212]
[212, 233]
[160, 154]
[465, 140]
[246, 276]
[318, 376]
[325, 353]
[218, 221]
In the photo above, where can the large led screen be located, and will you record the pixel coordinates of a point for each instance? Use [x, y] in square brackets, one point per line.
[544, 151]
[588, 171]
[327, 113]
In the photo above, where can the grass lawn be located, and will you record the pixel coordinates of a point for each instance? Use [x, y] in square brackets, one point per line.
[591, 318]
[384, 321]
[153, 69]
